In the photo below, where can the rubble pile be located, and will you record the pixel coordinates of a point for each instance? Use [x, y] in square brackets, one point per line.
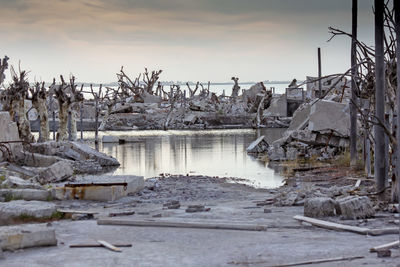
[318, 129]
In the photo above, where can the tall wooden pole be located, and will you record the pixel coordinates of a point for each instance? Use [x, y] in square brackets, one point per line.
[353, 110]
[396, 182]
[379, 161]
[319, 74]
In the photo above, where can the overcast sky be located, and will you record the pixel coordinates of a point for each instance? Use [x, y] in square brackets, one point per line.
[189, 40]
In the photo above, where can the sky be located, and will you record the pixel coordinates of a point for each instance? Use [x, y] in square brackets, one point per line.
[190, 40]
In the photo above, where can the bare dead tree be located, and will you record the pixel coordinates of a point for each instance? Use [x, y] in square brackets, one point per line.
[134, 87]
[110, 99]
[38, 97]
[3, 67]
[192, 92]
[97, 98]
[13, 99]
[150, 80]
[236, 87]
[174, 95]
[68, 97]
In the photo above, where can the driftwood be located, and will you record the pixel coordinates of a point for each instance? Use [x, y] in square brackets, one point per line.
[198, 225]
[348, 228]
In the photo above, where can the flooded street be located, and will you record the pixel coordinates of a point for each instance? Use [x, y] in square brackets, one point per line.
[213, 152]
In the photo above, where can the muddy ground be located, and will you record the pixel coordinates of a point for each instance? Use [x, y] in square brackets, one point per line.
[285, 241]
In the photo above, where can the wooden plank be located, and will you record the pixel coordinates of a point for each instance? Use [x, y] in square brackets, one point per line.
[331, 225]
[349, 228]
[97, 245]
[109, 246]
[77, 211]
[199, 225]
[385, 246]
[320, 261]
[358, 183]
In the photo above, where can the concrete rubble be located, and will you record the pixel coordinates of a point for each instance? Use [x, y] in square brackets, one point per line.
[17, 208]
[26, 236]
[311, 134]
[103, 188]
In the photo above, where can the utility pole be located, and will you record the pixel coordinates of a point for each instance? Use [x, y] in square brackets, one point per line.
[379, 149]
[396, 182]
[319, 74]
[353, 103]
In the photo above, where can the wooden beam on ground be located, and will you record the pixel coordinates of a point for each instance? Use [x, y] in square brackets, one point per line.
[198, 225]
[109, 246]
[348, 228]
[97, 245]
[320, 261]
[385, 246]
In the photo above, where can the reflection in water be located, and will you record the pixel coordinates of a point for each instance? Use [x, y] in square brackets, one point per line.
[213, 152]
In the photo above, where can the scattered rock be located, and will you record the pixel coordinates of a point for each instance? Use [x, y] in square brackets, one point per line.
[25, 194]
[174, 204]
[355, 207]
[384, 253]
[197, 208]
[26, 235]
[319, 207]
[18, 208]
[258, 146]
[57, 172]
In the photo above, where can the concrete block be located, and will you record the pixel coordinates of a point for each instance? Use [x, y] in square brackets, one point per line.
[352, 207]
[9, 132]
[319, 207]
[38, 209]
[101, 188]
[258, 146]
[25, 194]
[57, 172]
[16, 182]
[330, 116]
[110, 139]
[90, 153]
[26, 236]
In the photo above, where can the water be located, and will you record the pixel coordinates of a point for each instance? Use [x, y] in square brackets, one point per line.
[212, 152]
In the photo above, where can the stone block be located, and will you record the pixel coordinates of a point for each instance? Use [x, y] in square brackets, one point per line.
[110, 139]
[90, 153]
[57, 172]
[38, 209]
[101, 188]
[352, 207]
[25, 194]
[26, 236]
[16, 182]
[319, 207]
[258, 146]
[9, 132]
[330, 116]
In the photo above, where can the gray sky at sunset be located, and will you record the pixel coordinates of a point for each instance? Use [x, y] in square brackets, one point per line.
[189, 40]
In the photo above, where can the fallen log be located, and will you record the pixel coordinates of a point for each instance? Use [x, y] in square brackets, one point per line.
[385, 246]
[198, 225]
[348, 228]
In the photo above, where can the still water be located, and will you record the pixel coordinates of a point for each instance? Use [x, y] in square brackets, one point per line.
[212, 152]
